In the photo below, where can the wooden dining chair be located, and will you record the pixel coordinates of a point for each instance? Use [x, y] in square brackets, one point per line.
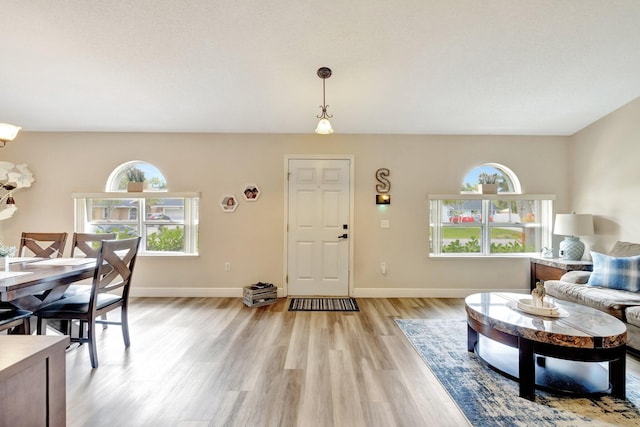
[114, 268]
[42, 245]
[86, 245]
[11, 317]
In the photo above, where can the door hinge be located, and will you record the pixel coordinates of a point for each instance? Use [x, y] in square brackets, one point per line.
[286, 279]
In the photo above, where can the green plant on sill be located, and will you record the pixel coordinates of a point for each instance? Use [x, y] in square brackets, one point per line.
[488, 178]
[7, 250]
[135, 175]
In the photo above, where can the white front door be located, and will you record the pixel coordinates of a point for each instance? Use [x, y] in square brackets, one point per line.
[318, 237]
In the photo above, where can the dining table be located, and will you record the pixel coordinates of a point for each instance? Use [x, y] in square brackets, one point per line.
[30, 283]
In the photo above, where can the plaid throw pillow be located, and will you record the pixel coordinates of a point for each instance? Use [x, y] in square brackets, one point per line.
[615, 272]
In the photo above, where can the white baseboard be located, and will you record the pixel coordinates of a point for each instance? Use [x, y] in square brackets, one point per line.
[424, 293]
[358, 292]
[186, 292]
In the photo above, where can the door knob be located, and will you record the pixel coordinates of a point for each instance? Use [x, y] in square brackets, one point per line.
[344, 236]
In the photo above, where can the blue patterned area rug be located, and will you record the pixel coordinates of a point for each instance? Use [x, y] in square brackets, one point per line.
[490, 399]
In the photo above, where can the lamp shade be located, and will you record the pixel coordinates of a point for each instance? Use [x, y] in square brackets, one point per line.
[324, 127]
[8, 132]
[573, 225]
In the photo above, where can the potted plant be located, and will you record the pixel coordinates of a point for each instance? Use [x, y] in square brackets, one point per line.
[488, 183]
[135, 179]
[5, 253]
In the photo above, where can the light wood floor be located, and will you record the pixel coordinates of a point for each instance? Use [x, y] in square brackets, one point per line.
[213, 361]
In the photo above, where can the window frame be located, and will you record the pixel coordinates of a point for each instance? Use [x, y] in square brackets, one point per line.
[436, 227]
[190, 222]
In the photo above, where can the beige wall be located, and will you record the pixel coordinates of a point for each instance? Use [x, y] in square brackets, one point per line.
[252, 238]
[605, 176]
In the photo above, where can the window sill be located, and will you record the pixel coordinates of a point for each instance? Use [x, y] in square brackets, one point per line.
[136, 195]
[499, 196]
[481, 256]
[168, 255]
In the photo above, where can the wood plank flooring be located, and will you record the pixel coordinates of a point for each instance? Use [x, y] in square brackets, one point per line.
[216, 362]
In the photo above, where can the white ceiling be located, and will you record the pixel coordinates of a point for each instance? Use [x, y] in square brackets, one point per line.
[546, 67]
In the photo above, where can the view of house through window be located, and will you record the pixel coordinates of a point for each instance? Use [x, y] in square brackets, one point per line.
[167, 222]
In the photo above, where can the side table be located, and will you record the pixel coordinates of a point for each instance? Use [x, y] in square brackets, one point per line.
[553, 268]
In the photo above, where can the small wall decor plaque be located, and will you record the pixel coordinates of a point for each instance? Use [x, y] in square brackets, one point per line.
[229, 203]
[251, 192]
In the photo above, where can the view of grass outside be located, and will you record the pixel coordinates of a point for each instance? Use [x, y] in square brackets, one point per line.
[471, 232]
[468, 240]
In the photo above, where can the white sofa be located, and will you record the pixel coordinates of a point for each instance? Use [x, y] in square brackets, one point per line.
[623, 304]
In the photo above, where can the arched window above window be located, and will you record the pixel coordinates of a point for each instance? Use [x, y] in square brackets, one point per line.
[153, 179]
[507, 180]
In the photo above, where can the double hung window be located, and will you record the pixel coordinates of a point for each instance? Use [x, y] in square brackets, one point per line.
[489, 225]
[167, 222]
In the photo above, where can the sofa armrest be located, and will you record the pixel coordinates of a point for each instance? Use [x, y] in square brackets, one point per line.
[577, 277]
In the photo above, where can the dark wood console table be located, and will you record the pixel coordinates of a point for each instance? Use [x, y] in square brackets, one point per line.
[553, 268]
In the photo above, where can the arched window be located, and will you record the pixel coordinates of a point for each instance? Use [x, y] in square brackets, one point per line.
[166, 221]
[153, 179]
[474, 223]
[507, 181]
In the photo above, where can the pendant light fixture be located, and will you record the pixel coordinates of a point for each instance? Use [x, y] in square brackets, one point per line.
[8, 133]
[324, 126]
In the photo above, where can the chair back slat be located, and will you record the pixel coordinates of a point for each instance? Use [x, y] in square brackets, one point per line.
[42, 245]
[88, 244]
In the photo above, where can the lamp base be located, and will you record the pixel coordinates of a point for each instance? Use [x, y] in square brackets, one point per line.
[571, 249]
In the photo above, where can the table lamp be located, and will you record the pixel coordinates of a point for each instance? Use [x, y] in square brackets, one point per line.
[570, 226]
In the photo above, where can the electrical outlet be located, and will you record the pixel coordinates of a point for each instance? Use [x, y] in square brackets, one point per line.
[384, 223]
[227, 266]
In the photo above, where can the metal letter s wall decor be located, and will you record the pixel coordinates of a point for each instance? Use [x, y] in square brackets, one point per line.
[381, 177]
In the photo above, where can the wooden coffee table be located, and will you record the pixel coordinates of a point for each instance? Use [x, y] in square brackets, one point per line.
[553, 353]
